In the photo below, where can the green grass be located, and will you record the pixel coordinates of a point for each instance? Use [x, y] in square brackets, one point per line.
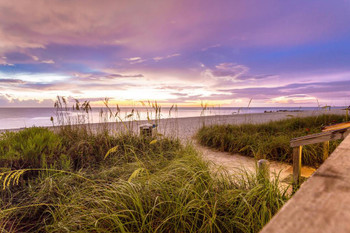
[28, 147]
[270, 140]
[123, 183]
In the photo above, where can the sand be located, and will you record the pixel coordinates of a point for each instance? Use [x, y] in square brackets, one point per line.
[186, 128]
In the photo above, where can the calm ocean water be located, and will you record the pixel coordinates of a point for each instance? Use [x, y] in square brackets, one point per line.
[12, 118]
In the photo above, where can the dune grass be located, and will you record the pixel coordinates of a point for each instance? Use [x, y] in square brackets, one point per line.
[270, 140]
[72, 180]
[78, 178]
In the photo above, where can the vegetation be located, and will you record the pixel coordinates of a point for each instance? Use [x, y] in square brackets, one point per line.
[71, 180]
[270, 140]
[30, 148]
[81, 178]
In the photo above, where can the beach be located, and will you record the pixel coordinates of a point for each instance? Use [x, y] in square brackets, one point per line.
[186, 127]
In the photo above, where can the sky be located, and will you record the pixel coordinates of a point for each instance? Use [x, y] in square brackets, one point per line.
[224, 53]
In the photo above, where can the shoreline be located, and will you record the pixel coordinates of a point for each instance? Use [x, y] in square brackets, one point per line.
[186, 127]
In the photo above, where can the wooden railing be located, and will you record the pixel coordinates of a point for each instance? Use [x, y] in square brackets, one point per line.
[330, 133]
[322, 204]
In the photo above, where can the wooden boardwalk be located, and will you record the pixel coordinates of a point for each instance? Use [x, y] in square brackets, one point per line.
[322, 204]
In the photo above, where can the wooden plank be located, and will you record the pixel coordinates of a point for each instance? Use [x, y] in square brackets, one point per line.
[336, 126]
[320, 137]
[297, 154]
[322, 204]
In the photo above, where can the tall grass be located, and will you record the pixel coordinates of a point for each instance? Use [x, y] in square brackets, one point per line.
[44, 192]
[269, 140]
[167, 194]
[75, 178]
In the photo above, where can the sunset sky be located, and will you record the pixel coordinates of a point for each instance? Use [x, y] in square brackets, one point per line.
[277, 53]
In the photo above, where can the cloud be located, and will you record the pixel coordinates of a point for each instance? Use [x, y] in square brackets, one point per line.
[293, 99]
[3, 61]
[140, 25]
[179, 87]
[166, 57]
[10, 81]
[126, 76]
[23, 57]
[79, 83]
[211, 47]
[100, 76]
[321, 90]
[35, 58]
[48, 61]
[10, 101]
[135, 60]
[81, 100]
[229, 70]
[229, 74]
[244, 48]
[19, 57]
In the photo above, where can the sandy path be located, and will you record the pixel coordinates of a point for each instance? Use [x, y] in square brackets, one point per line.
[231, 162]
[186, 129]
[234, 162]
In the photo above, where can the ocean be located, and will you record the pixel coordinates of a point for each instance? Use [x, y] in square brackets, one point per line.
[14, 118]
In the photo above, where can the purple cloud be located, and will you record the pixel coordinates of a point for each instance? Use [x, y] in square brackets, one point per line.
[316, 89]
[217, 50]
[11, 81]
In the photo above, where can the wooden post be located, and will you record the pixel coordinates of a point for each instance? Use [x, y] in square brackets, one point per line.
[263, 172]
[297, 153]
[325, 150]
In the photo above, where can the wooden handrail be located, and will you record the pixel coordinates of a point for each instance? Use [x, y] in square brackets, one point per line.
[330, 133]
[336, 126]
[320, 137]
[322, 204]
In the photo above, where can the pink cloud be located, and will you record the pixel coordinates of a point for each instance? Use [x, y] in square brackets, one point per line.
[153, 26]
[139, 43]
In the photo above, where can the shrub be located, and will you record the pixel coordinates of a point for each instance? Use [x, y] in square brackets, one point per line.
[270, 140]
[29, 148]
